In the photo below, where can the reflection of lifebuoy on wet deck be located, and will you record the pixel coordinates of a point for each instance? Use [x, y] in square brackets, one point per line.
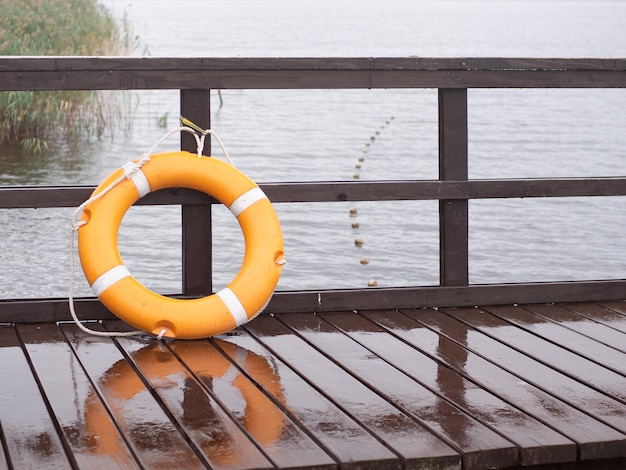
[207, 427]
[264, 423]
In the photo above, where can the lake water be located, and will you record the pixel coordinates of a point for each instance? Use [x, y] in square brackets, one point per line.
[320, 135]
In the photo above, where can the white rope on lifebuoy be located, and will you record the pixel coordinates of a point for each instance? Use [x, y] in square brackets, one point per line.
[132, 170]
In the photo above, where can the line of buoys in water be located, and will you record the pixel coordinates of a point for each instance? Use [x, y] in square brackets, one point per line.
[358, 242]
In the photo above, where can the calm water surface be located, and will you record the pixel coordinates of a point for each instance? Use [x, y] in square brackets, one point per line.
[320, 135]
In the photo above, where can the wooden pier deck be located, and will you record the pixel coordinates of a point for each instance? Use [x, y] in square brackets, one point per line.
[495, 387]
[377, 377]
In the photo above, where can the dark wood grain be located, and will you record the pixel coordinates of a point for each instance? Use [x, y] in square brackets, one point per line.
[557, 355]
[266, 423]
[194, 77]
[583, 335]
[453, 165]
[66, 384]
[533, 386]
[46, 310]
[96, 73]
[339, 191]
[413, 442]
[606, 313]
[195, 407]
[420, 388]
[577, 393]
[29, 434]
[197, 243]
[85, 63]
[483, 449]
[618, 306]
[4, 462]
[351, 443]
[582, 416]
[150, 431]
[537, 443]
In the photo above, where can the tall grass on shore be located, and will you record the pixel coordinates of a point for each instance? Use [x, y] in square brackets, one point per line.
[60, 28]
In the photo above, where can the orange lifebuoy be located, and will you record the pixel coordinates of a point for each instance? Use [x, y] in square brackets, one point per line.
[247, 294]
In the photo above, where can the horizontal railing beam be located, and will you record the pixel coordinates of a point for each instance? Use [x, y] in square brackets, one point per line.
[117, 73]
[446, 296]
[333, 191]
[50, 310]
[305, 79]
[125, 64]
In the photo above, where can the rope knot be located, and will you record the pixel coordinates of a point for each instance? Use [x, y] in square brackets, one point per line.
[130, 169]
[79, 224]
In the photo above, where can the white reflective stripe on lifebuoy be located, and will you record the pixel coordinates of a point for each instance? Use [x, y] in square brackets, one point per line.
[246, 200]
[234, 305]
[133, 171]
[107, 279]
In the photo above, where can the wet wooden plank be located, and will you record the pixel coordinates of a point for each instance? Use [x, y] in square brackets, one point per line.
[198, 415]
[538, 443]
[285, 443]
[454, 346]
[209, 427]
[416, 445]
[581, 369]
[590, 324]
[565, 388]
[618, 306]
[4, 463]
[328, 389]
[30, 435]
[218, 395]
[562, 326]
[480, 446]
[92, 437]
[607, 313]
[154, 438]
[351, 444]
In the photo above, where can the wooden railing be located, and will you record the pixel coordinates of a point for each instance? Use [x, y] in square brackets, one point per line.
[195, 77]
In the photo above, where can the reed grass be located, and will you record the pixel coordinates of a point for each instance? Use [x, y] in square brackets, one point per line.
[63, 28]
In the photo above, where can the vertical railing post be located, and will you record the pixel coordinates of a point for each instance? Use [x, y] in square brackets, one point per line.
[195, 105]
[453, 165]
